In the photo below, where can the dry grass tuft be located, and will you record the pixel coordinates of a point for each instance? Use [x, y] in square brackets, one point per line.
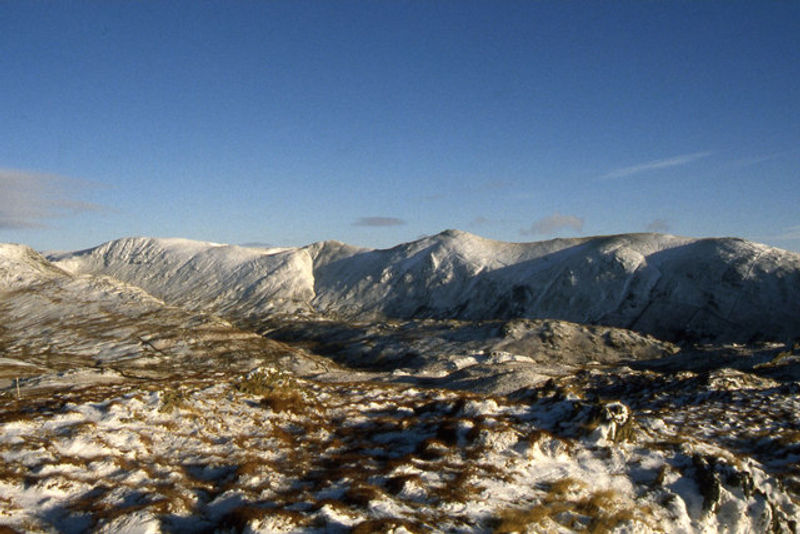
[262, 382]
[384, 526]
[597, 513]
[606, 510]
[361, 494]
[244, 517]
[251, 466]
[172, 399]
[396, 484]
[433, 449]
[563, 487]
[283, 400]
[517, 520]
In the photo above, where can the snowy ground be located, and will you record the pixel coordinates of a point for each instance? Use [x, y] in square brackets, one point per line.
[604, 450]
[495, 357]
[122, 412]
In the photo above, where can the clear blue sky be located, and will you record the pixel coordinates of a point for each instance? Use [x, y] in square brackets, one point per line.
[377, 122]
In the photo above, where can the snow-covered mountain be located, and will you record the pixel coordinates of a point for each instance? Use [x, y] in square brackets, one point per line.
[721, 289]
[52, 321]
[229, 280]
[21, 266]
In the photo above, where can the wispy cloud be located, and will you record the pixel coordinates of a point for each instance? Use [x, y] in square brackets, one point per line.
[792, 233]
[28, 199]
[757, 160]
[554, 223]
[479, 221]
[674, 161]
[659, 226]
[379, 221]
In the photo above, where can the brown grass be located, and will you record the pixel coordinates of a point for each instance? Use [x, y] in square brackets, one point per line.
[243, 516]
[790, 437]
[397, 484]
[361, 494]
[517, 520]
[172, 399]
[603, 509]
[284, 401]
[260, 383]
[172, 499]
[432, 449]
[385, 525]
[564, 486]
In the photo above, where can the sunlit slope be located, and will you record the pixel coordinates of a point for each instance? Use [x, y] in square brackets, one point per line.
[21, 266]
[673, 287]
[237, 282]
[52, 321]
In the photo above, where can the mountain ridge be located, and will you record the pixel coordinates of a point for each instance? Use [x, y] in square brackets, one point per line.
[676, 288]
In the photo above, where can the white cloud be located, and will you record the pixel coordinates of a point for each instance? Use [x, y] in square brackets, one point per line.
[27, 199]
[659, 226]
[756, 160]
[554, 223]
[379, 221]
[791, 233]
[675, 161]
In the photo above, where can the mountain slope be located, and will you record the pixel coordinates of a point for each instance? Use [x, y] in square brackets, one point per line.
[21, 266]
[232, 281]
[672, 287]
[52, 321]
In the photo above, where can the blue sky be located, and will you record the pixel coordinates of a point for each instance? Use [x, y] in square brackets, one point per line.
[377, 122]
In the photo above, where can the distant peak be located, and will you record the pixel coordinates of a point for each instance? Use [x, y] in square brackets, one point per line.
[20, 264]
[453, 232]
